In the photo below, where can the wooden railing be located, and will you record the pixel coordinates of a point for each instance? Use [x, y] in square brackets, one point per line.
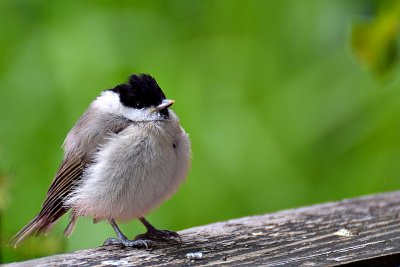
[360, 232]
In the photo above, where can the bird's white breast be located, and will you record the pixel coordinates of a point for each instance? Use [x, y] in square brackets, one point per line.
[134, 171]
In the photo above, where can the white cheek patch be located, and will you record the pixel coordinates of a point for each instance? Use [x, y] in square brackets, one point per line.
[134, 114]
[109, 102]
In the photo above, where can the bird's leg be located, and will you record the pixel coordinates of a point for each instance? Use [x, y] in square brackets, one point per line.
[123, 240]
[155, 234]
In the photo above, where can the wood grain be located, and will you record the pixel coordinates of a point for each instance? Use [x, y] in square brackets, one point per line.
[369, 236]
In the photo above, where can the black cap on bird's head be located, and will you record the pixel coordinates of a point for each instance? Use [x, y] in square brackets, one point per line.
[142, 91]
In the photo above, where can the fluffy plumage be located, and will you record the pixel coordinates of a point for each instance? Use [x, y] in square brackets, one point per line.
[122, 158]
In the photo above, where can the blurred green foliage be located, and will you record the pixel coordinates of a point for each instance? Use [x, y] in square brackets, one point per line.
[279, 113]
[375, 42]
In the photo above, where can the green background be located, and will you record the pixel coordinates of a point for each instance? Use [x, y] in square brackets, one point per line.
[279, 111]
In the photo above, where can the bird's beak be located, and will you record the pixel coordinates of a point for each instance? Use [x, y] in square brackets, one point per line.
[166, 103]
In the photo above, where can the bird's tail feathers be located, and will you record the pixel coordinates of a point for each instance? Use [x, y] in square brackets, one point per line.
[71, 225]
[35, 227]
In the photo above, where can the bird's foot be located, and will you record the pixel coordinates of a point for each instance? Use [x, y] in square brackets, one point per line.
[155, 234]
[137, 243]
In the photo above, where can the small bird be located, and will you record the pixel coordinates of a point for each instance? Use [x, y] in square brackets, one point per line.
[124, 157]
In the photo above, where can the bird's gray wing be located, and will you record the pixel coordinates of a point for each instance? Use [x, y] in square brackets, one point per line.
[69, 174]
[70, 170]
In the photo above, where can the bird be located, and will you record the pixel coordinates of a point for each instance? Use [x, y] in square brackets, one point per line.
[124, 156]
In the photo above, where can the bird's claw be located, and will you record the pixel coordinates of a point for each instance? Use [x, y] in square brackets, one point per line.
[137, 243]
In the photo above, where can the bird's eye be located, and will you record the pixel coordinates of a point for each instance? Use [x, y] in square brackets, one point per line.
[138, 105]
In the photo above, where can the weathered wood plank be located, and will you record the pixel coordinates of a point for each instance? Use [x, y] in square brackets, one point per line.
[300, 237]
